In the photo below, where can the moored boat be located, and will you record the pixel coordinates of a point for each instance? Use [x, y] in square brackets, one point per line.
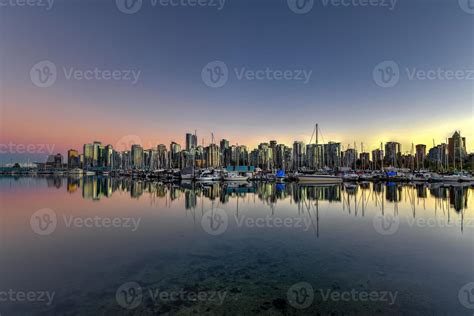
[318, 178]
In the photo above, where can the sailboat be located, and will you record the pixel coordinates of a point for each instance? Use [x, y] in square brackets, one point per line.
[317, 178]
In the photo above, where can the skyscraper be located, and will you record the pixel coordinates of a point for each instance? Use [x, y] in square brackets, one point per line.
[88, 151]
[392, 153]
[73, 158]
[420, 156]
[175, 148]
[456, 149]
[212, 156]
[191, 142]
[137, 157]
[298, 155]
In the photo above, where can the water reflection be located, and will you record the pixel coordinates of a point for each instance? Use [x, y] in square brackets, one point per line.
[352, 196]
[341, 249]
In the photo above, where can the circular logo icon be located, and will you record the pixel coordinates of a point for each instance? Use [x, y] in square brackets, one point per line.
[129, 295]
[215, 74]
[386, 225]
[386, 74]
[466, 295]
[44, 221]
[126, 142]
[467, 6]
[300, 295]
[215, 222]
[300, 6]
[43, 74]
[129, 6]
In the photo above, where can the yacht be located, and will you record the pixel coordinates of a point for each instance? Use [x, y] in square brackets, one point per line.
[209, 175]
[350, 176]
[234, 176]
[446, 178]
[76, 171]
[317, 178]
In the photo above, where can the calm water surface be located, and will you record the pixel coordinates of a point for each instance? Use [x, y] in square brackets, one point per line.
[106, 246]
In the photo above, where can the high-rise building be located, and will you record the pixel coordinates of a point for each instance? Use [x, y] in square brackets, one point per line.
[88, 151]
[55, 161]
[96, 145]
[225, 153]
[162, 157]
[456, 149]
[175, 149]
[377, 158]
[279, 157]
[298, 155]
[392, 154]
[332, 155]
[108, 156]
[137, 157]
[265, 156]
[212, 156]
[364, 160]
[350, 158]
[420, 156]
[438, 156]
[191, 142]
[73, 159]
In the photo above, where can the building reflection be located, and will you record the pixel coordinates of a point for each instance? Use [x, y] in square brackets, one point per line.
[96, 188]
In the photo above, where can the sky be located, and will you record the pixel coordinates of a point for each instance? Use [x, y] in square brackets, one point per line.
[393, 71]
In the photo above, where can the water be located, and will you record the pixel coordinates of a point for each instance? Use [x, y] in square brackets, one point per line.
[106, 246]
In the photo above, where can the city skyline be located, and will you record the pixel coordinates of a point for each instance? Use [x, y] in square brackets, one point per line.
[11, 154]
[270, 155]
